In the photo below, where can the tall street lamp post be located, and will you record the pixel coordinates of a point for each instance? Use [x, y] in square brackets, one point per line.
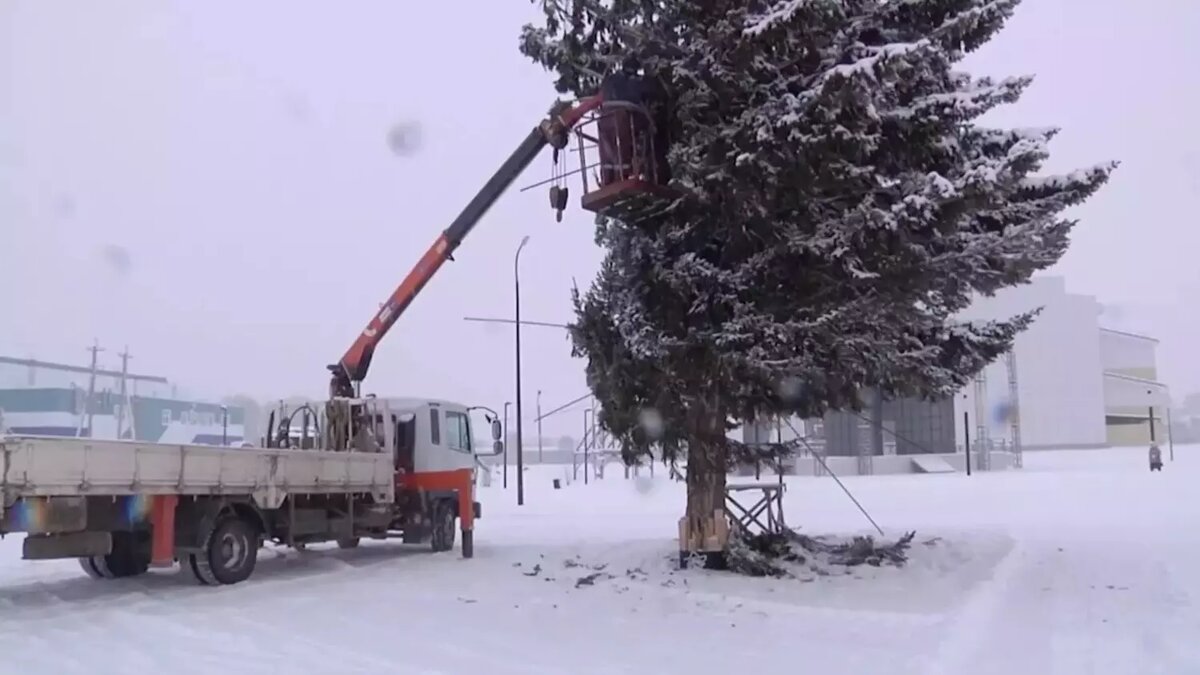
[504, 454]
[517, 326]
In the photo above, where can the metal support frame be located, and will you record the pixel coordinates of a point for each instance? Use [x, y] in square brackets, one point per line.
[769, 504]
[1014, 409]
[869, 435]
[982, 442]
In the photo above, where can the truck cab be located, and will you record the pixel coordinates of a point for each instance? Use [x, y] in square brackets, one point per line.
[428, 435]
[435, 458]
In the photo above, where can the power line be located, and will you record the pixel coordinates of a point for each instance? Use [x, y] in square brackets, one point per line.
[523, 322]
[564, 406]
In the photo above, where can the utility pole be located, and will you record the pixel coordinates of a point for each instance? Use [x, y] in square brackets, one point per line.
[1150, 416]
[967, 441]
[124, 404]
[1170, 434]
[586, 446]
[89, 412]
[539, 421]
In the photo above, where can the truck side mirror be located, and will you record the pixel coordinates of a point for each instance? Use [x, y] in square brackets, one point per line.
[497, 447]
[497, 431]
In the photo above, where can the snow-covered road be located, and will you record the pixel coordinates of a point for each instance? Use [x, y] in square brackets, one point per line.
[1081, 563]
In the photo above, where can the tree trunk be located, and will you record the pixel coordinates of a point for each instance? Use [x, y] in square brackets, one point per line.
[707, 458]
[705, 482]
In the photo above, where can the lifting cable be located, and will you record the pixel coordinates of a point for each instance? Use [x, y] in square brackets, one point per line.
[834, 475]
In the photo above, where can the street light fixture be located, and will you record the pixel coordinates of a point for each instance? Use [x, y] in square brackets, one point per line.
[517, 327]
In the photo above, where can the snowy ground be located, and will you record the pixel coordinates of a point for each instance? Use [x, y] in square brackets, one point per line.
[1083, 562]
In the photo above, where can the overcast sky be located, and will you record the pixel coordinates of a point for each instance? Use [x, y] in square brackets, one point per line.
[211, 184]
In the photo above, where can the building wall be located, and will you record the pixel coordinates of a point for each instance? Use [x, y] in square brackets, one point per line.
[1128, 354]
[1126, 431]
[907, 426]
[920, 426]
[841, 434]
[38, 397]
[1059, 369]
[1128, 403]
[66, 412]
[1078, 385]
[1124, 394]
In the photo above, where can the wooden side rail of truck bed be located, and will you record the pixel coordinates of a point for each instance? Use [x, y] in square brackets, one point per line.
[122, 506]
[62, 467]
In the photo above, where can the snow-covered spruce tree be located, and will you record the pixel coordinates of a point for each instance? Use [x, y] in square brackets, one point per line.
[841, 206]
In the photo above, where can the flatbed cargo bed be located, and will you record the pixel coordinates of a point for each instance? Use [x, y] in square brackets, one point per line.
[48, 466]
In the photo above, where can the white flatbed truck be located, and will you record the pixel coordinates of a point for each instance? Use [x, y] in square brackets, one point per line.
[121, 507]
[375, 469]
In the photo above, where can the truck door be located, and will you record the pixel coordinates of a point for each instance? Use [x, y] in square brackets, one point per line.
[405, 439]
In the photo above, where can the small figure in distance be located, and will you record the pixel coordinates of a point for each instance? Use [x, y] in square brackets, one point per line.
[1155, 458]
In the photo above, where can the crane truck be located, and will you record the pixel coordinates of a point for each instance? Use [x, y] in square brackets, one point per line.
[372, 468]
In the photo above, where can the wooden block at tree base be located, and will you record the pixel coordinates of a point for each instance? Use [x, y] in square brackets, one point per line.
[711, 537]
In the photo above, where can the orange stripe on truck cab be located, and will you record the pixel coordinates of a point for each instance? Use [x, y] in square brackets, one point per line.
[458, 480]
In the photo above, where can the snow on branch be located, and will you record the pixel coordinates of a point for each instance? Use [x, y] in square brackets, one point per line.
[756, 24]
[875, 57]
[975, 16]
[1009, 137]
[788, 109]
[968, 102]
[1067, 181]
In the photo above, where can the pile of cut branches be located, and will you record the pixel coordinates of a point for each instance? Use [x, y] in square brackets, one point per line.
[772, 554]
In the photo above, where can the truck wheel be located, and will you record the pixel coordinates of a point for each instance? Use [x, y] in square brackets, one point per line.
[130, 557]
[93, 570]
[230, 553]
[348, 542]
[442, 538]
[131, 554]
[201, 571]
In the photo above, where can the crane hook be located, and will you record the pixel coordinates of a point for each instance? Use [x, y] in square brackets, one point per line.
[558, 200]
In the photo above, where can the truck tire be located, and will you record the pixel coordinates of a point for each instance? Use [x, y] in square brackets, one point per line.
[130, 557]
[442, 535]
[92, 569]
[229, 555]
[202, 572]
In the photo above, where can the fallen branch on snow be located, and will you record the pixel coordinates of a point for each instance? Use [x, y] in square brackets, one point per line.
[771, 554]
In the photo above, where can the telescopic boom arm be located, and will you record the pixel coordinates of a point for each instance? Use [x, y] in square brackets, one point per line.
[553, 131]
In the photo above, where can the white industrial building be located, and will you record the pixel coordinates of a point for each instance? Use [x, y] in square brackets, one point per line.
[59, 399]
[1069, 382]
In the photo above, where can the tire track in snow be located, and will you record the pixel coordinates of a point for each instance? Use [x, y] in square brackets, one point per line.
[966, 629]
[1087, 607]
